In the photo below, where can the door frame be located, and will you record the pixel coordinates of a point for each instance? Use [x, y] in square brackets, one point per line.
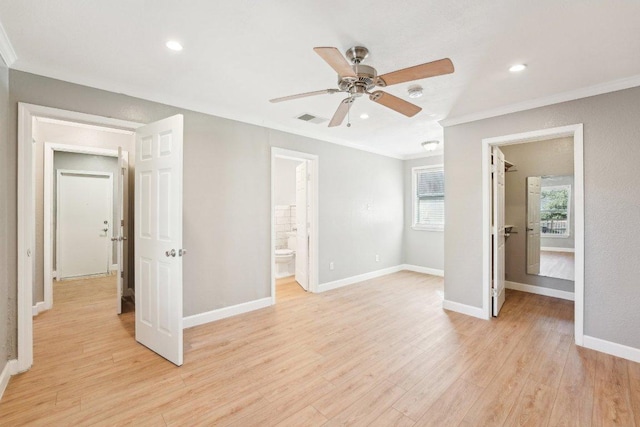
[313, 160]
[49, 150]
[109, 177]
[576, 132]
[27, 113]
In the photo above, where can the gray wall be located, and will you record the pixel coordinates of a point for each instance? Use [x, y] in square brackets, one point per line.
[83, 136]
[424, 248]
[227, 195]
[83, 162]
[285, 181]
[552, 157]
[7, 251]
[611, 158]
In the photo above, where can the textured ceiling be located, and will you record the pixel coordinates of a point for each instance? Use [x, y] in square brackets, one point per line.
[239, 54]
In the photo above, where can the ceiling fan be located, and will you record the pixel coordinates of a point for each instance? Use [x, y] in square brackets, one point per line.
[356, 79]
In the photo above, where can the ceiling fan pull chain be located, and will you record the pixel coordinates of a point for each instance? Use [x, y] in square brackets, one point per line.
[349, 114]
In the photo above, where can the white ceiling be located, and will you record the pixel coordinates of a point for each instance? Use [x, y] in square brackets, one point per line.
[239, 54]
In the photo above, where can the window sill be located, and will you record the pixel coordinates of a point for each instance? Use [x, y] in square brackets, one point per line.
[555, 236]
[427, 228]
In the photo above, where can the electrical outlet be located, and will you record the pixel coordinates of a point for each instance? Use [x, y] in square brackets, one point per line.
[331, 265]
[377, 258]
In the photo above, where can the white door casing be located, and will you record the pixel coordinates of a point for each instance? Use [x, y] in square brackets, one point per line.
[117, 236]
[498, 231]
[84, 216]
[158, 237]
[302, 234]
[533, 224]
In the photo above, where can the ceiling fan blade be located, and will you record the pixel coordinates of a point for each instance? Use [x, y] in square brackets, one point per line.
[341, 112]
[334, 58]
[304, 95]
[430, 69]
[395, 103]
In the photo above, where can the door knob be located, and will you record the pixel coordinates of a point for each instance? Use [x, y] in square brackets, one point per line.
[171, 253]
[529, 229]
[114, 239]
[105, 229]
[182, 252]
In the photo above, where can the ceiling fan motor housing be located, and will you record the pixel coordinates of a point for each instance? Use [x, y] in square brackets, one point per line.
[364, 81]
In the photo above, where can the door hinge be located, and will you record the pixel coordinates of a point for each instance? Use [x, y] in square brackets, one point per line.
[494, 292]
[122, 170]
[122, 222]
[122, 274]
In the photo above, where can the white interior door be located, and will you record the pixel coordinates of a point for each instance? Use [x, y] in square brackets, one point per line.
[533, 224]
[158, 237]
[302, 225]
[117, 236]
[84, 212]
[498, 231]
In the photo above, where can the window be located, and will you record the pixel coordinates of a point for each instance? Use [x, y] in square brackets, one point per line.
[428, 198]
[554, 211]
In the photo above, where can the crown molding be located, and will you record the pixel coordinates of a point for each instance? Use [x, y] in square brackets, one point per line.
[434, 153]
[6, 49]
[585, 92]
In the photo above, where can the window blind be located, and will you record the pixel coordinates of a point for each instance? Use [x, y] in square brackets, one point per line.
[430, 197]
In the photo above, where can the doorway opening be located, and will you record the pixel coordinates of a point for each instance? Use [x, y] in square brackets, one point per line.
[294, 229]
[496, 230]
[72, 161]
[63, 179]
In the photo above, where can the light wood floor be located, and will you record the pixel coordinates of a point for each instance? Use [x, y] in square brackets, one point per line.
[382, 353]
[557, 264]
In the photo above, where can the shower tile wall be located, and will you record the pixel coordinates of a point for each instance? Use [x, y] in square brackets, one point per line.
[285, 221]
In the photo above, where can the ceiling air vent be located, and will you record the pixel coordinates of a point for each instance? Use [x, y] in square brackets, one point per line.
[306, 117]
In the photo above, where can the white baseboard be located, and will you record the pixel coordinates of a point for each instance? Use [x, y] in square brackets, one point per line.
[222, 313]
[552, 249]
[540, 290]
[114, 267]
[612, 348]
[39, 308]
[424, 270]
[11, 368]
[464, 309]
[323, 287]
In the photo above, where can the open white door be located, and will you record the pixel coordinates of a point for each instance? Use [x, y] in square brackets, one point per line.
[117, 236]
[158, 237]
[302, 224]
[533, 224]
[498, 231]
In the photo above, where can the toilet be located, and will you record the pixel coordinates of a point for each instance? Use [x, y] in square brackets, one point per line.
[285, 258]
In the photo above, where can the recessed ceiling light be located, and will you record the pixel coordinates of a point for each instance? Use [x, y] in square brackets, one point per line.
[174, 45]
[517, 68]
[364, 116]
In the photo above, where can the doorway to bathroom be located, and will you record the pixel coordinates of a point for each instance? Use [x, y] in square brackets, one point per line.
[294, 216]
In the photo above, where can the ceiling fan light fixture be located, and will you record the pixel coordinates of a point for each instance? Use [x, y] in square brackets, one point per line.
[516, 68]
[430, 145]
[174, 45]
[415, 91]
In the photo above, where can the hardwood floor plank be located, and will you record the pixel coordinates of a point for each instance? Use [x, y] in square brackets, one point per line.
[534, 405]
[309, 417]
[348, 356]
[368, 408]
[452, 405]
[574, 400]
